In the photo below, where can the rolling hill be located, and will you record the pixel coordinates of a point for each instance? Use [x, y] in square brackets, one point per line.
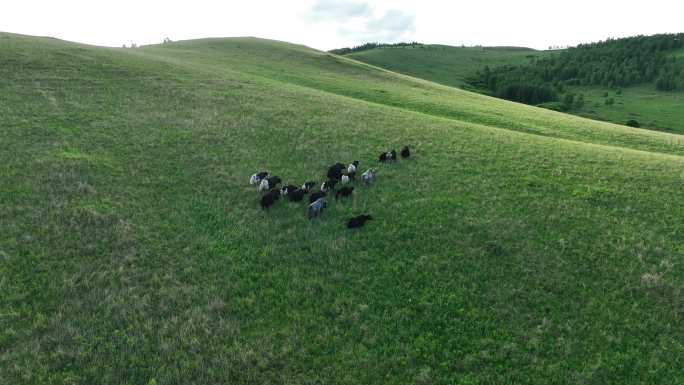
[518, 244]
[454, 66]
[451, 66]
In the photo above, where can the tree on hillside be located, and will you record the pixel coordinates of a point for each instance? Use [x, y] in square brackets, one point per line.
[613, 63]
[569, 101]
[369, 46]
[633, 123]
[665, 83]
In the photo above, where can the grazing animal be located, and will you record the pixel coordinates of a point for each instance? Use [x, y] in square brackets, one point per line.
[368, 176]
[345, 179]
[296, 195]
[307, 186]
[287, 189]
[316, 208]
[387, 156]
[405, 153]
[351, 169]
[328, 185]
[335, 171]
[269, 183]
[359, 221]
[273, 181]
[256, 178]
[269, 199]
[344, 192]
[315, 196]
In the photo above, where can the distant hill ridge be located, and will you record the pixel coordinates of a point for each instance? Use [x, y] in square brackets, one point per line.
[636, 79]
[370, 46]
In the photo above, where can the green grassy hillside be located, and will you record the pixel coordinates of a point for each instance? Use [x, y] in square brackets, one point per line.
[518, 245]
[444, 64]
[653, 109]
[453, 66]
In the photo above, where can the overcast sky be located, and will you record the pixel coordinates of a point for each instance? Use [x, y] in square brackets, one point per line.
[327, 24]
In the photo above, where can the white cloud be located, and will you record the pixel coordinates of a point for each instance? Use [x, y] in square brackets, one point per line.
[391, 27]
[359, 22]
[331, 24]
[335, 10]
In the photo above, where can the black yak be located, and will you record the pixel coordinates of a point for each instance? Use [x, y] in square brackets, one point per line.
[359, 221]
[344, 192]
[296, 195]
[335, 171]
[269, 199]
[328, 185]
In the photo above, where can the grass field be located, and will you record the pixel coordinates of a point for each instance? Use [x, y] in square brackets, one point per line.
[653, 109]
[445, 64]
[452, 66]
[518, 245]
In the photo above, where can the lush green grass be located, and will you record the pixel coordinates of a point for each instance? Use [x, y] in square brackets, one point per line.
[452, 66]
[519, 245]
[443, 64]
[653, 109]
[337, 75]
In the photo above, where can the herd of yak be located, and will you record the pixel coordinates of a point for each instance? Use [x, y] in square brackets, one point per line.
[337, 174]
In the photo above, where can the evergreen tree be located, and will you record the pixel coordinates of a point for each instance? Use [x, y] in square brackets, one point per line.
[569, 101]
[633, 123]
[613, 63]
